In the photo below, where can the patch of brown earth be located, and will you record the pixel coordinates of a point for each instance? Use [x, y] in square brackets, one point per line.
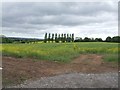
[92, 63]
[16, 70]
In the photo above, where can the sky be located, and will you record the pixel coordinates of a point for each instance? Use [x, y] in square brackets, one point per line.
[84, 19]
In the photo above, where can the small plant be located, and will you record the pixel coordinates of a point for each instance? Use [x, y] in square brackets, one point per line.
[75, 47]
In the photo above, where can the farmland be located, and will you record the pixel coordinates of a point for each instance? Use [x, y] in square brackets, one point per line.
[29, 61]
[61, 52]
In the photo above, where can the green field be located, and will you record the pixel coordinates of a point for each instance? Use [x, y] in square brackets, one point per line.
[63, 52]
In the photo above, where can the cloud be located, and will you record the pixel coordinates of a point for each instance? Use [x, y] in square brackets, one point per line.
[34, 19]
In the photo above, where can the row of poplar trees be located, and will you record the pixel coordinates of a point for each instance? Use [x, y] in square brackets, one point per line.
[58, 37]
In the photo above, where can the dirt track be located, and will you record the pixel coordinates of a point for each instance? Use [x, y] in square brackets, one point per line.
[17, 70]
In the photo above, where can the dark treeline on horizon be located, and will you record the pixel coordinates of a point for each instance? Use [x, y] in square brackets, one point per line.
[70, 38]
[18, 40]
[108, 39]
[58, 37]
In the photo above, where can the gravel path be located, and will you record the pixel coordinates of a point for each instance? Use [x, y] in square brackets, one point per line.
[74, 80]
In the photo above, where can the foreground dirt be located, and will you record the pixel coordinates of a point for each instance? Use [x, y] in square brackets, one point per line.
[16, 70]
[73, 80]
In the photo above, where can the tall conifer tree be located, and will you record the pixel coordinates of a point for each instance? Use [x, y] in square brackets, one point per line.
[49, 37]
[72, 37]
[52, 37]
[45, 38]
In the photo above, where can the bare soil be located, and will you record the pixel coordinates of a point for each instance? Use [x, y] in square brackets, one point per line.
[17, 70]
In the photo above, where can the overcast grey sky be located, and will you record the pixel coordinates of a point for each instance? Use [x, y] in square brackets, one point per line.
[84, 19]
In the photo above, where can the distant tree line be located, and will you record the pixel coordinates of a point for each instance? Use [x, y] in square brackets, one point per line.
[113, 39]
[108, 39]
[18, 40]
[58, 37]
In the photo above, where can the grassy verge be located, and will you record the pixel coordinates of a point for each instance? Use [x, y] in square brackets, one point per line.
[110, 58]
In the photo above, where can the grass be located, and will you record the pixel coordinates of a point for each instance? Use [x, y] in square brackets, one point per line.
[61, 52]
[110, 57]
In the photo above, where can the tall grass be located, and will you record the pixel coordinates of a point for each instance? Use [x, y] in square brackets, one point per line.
[63, 52]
